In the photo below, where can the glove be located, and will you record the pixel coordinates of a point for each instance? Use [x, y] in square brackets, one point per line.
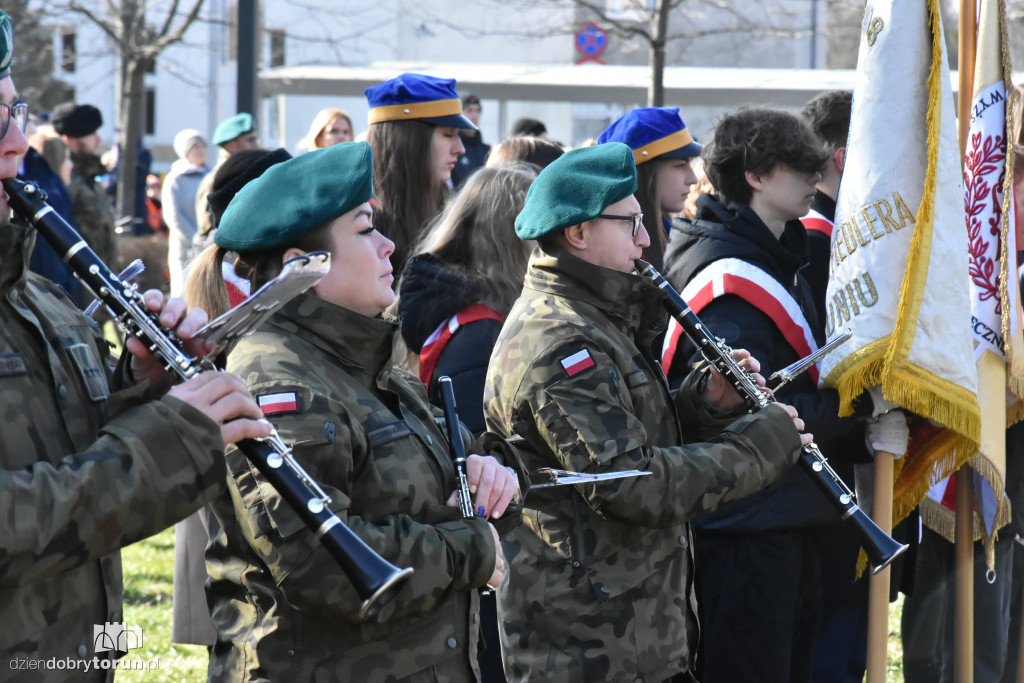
[888, 432]
[879, 405]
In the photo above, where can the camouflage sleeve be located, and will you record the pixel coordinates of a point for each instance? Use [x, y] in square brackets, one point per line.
[153, 465]
[700, 419]
[447, 552]
[590, 422]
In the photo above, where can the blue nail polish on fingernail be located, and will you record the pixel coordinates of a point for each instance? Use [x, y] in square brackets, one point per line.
[480, 511]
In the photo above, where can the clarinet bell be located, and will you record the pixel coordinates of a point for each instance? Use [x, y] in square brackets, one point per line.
[879, 546]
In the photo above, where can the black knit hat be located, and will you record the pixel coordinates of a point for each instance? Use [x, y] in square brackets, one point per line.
[220, 198]
[76, 120]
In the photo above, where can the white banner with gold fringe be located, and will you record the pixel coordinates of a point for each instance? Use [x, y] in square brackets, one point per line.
[899, 249]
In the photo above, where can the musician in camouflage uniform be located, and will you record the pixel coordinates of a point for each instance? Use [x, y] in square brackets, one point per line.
[322, 370]
[83, 473]
[78, 125]
[600, 583]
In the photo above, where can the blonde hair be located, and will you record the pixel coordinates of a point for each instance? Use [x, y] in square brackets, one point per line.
[702, 186]
[475, 235]
[204, 283]
[323, 120]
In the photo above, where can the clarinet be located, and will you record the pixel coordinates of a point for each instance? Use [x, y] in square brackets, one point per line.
[455, 444]
[880, 548]
[374, 578]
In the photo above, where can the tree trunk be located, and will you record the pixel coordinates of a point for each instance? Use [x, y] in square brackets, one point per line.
[659, 29]
[133, 92]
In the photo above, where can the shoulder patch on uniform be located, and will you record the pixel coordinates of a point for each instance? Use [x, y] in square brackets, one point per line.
[12, 364]
[577, 362]
[89, 368]
[276, 404]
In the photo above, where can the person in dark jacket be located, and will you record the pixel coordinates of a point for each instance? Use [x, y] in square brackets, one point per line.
[475, 156]
[45, 261]
[78, 125]
[457, 290]
[738, 265]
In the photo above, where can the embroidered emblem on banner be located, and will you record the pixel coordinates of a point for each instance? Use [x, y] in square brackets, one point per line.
[577, 362]
[275, 404]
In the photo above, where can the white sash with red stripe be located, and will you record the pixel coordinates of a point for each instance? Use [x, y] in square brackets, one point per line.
[238, 288]
[815, 220]
[756, 287]
[432, 348]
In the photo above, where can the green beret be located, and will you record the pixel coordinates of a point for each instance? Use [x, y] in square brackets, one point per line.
[6, 45]
[576, 187]
[233, 126]
[296, 196]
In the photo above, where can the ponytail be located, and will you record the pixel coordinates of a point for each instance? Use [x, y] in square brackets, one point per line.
[204, 284]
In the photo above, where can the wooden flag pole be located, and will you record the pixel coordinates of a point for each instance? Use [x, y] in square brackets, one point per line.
[964, 651]
[878, 588]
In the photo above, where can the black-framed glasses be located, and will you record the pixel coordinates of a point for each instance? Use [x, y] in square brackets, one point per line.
[17, 111]
[636, 220]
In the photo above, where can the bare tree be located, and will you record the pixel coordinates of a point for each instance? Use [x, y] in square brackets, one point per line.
[652, 25]
[138, 43]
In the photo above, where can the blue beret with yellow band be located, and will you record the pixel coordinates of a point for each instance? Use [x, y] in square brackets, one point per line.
[417, 97]
[653, 132]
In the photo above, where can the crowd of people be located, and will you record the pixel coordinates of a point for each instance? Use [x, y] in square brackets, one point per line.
[698, 553]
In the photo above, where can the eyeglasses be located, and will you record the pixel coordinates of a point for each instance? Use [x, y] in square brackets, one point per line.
[18, 111]
[636, 220]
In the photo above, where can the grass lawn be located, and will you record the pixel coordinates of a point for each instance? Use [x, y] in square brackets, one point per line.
[148, 587]
[148, 572]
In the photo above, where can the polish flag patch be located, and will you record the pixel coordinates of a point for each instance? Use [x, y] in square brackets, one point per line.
[577, 362]
[274, 404]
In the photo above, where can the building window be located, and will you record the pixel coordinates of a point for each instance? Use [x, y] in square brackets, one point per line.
[276, 47]
[150, 111]
[68, 51]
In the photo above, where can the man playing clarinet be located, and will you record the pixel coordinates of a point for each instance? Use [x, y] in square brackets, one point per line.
[84, 471]
[601, 574]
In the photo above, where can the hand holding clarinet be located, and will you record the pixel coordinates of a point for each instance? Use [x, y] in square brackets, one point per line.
[721, 392]
[486, 487]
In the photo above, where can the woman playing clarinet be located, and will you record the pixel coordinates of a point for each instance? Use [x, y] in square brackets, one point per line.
[322, 371]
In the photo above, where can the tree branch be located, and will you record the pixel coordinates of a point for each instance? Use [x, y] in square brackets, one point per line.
[617, 25]
[109, 30]
[171, 13]
[162, 42]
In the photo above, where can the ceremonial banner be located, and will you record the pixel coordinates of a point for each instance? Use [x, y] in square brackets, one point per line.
[899, 267]
[995, 288]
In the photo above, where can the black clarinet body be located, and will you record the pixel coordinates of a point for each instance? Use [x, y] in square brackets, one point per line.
[881, 549]
[455, 444]
[374, 578]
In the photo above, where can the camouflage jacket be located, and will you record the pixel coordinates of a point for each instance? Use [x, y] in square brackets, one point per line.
[365, 432]
[94, 216]
[600, 583]
[81, 474]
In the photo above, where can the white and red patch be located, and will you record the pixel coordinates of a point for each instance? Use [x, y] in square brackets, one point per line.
[577, 362]
[274, 404]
